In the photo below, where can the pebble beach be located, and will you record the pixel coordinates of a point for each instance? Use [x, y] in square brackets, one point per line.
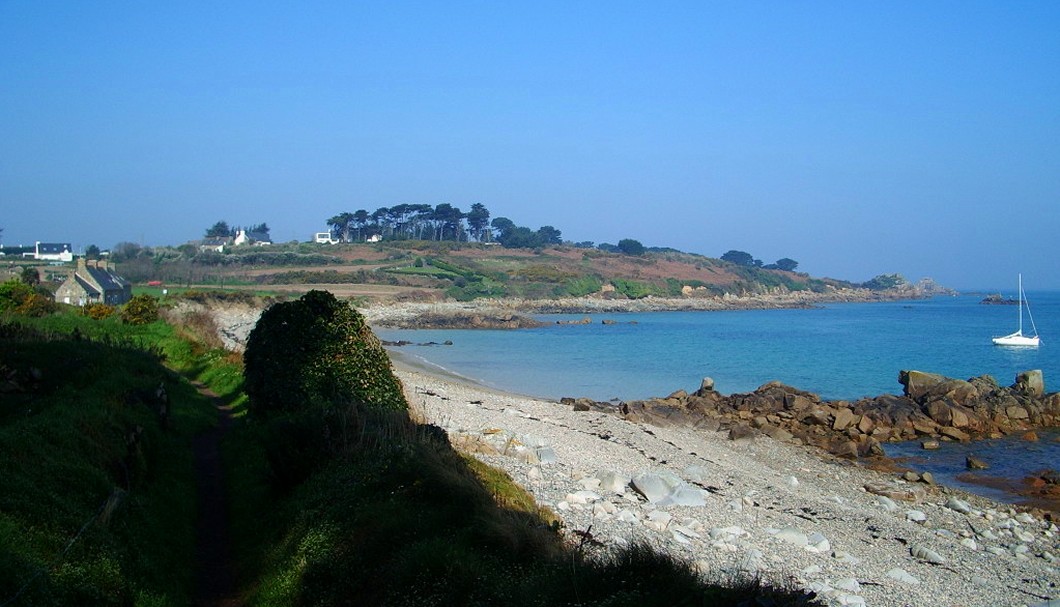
[757, 506]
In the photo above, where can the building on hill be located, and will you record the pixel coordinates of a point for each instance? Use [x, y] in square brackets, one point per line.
[92, 283]
[53, 251]
[215, 244]
[324, 238]
[257, 238]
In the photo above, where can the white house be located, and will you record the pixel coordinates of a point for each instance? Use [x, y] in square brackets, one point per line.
[324, 238]
[258, 238]
[53, 251]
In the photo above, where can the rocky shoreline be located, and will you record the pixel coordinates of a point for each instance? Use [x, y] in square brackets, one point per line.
[762, 506]
[515, 313]
[932, 408]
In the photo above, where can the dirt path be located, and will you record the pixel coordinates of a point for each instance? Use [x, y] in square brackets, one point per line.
[215, 583]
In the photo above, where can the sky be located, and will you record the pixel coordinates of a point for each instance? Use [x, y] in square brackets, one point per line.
[858, 138]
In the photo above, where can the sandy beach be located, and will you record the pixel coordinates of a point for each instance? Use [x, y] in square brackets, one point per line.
[772, 509]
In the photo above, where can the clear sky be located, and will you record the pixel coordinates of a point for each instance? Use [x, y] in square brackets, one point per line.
[857, 138]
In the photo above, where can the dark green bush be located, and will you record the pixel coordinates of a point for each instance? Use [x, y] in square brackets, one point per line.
[317, 351]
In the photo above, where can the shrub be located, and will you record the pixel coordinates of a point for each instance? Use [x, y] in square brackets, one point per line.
[586, 285]
[36, 305]
[317, 350]
[98, 311]
[13, 293]
[140, 310]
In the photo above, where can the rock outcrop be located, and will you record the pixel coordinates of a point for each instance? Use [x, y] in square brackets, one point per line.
[932, 408]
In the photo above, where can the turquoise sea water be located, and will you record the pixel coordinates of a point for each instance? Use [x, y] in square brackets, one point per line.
[840, 351]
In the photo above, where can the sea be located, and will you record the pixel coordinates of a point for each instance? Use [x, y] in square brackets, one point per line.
[839, 351]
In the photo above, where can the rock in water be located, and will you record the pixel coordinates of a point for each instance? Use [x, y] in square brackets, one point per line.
[974, 463]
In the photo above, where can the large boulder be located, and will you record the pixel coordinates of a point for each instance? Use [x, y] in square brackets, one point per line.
[1030, 383]
[918, 384]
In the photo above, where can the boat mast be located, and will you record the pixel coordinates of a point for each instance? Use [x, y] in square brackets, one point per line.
[1020, 332]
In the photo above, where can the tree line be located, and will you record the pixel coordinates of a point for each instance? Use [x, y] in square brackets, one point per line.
[221, 229]
[745, 259]
[439, 223]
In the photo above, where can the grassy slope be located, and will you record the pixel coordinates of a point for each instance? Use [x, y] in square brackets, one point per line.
[387, 513]
[468, 270]
[97, 495]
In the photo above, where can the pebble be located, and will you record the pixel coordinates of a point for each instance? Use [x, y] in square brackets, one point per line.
[902, 576]
[792, 536]
[927, 554]
[916, 516]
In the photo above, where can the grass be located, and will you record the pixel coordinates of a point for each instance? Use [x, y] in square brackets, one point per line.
[397, 517]
[97, 492]
[335, 506]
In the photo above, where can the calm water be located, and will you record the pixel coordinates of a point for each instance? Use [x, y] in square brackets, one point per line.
[840, 351]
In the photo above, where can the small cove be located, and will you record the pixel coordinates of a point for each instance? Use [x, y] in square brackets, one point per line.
[839, 351]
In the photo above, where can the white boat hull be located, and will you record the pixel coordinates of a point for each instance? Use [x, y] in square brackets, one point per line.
[1017, 339]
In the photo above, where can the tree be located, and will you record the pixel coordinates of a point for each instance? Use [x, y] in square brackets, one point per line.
[549, 235]
[30, 276]
[477, 220]
[220, 230]
[787, 264]
[630, 246]
[261, 228]
[885, 281]
[124, 251]
[360, 219]
[92, 252]
[316, 352]
[739, 258]
[502, 225]
[340, 225]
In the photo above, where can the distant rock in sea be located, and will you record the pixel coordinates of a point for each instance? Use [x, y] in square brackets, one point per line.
[997, 300]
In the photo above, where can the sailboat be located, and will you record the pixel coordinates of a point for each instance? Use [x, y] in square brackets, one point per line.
[1018, 338]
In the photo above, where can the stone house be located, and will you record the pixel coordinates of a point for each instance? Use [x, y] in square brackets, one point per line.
[93, 282]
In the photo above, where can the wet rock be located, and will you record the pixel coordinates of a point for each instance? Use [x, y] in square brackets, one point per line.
[974, 463]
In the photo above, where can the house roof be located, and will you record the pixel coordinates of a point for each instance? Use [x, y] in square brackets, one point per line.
[215, 242]
[107, 280]
[53, 247]
[259, 236]
[87, 286]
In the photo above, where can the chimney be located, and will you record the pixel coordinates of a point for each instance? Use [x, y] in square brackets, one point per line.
[81, 267]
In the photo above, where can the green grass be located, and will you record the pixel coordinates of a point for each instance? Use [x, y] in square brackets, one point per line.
[397, 517]
[423, 271]
[97, 492]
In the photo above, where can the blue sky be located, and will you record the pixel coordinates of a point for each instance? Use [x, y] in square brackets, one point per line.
[858, 138]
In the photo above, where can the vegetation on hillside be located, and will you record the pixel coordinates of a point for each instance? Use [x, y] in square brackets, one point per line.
[353, 502]
[341, 496]
[97, 489]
